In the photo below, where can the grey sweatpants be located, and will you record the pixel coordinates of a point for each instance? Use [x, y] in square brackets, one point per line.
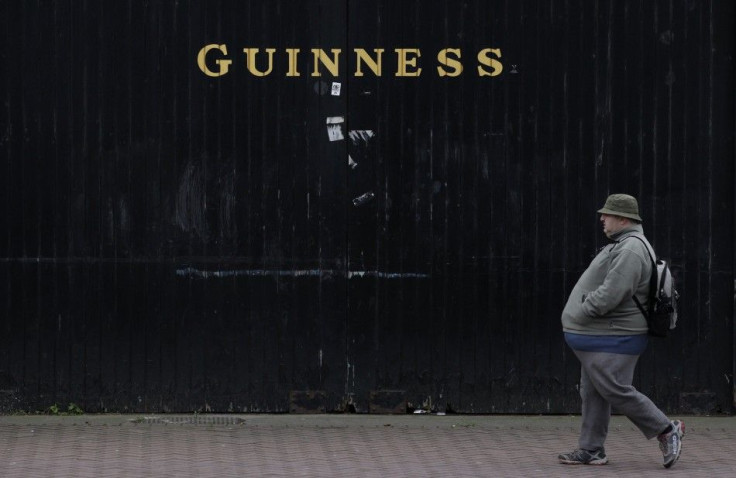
[605, 382]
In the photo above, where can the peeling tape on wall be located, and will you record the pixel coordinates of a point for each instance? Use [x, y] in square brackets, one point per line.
[361, 135]
[363, 199]
[219, 274]
[387, 275]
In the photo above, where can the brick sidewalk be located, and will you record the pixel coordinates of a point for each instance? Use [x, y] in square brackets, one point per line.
[343, 445]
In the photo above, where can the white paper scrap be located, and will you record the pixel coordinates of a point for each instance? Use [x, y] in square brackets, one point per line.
[334, 128]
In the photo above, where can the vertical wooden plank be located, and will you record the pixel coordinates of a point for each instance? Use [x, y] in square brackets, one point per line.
[9, 343]
[721, 128]
[332, 209]
[6, 120]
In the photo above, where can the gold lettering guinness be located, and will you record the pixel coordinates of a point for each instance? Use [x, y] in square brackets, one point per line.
[214, 61]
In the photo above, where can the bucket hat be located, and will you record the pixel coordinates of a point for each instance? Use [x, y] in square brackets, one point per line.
[621, 205]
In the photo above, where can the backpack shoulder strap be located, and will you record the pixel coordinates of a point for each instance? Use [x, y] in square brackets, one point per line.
[652, 278]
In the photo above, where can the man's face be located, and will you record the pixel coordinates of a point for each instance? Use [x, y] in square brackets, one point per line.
[613, 224]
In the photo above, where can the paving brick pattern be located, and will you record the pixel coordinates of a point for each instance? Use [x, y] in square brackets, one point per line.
[344, 446]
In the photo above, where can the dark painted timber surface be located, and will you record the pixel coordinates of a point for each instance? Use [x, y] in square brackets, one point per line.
[173, 241]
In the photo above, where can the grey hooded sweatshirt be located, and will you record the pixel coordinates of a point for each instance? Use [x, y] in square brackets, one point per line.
[601, 302]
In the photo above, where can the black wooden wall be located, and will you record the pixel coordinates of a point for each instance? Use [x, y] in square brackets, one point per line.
[171, 241]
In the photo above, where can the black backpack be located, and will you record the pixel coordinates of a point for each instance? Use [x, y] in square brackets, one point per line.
[662, 304]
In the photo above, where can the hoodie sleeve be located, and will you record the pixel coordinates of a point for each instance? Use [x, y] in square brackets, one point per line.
[620, 284]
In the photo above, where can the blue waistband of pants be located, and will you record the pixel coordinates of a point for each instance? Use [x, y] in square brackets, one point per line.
[615, 344]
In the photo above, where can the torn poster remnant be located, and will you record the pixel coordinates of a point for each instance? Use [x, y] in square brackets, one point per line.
[363, 198]
[361, 135]
[334, 128]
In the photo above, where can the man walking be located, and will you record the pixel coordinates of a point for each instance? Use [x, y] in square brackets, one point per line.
[607, 332]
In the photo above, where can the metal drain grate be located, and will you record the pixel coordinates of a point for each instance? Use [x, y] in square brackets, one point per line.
[192, 420]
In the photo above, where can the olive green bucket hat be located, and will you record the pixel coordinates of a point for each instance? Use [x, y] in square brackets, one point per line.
[621, 205]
